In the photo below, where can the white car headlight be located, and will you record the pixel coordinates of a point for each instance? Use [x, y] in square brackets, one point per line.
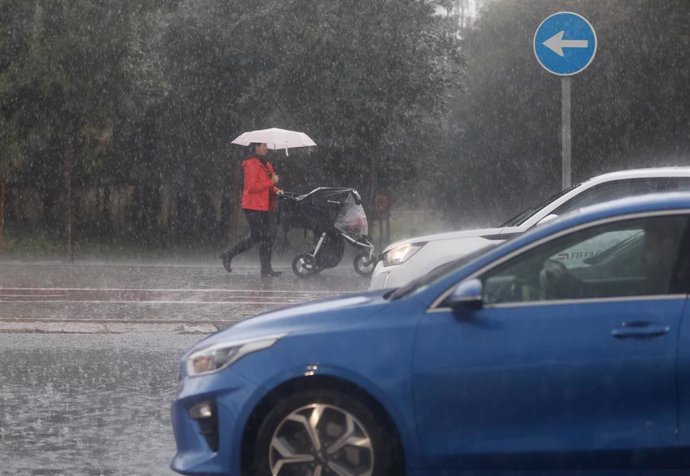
[219, 356]
[401, 254]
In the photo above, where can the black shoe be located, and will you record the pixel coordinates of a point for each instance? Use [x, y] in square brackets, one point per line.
[272, 273]
[226, 262]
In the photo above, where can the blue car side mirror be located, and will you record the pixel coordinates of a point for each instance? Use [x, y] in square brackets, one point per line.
[466, 295]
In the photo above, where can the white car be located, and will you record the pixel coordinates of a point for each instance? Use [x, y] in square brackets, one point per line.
[408, 259]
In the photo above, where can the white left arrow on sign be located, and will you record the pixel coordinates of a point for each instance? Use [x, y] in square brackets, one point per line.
[556, 43]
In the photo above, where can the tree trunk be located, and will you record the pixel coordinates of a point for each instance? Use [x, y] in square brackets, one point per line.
[105, 213]
[2, 212]
[68, 201]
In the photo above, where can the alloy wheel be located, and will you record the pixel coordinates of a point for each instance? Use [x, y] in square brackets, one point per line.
[321, 440]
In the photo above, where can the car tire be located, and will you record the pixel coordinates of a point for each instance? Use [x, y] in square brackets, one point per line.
[310, 432]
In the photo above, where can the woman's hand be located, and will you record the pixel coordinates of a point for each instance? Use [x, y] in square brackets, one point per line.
[275, 178]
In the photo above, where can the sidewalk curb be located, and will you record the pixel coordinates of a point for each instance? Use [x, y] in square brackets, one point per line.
[40, 327]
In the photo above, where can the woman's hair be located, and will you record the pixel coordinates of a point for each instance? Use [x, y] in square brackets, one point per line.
[251, 150]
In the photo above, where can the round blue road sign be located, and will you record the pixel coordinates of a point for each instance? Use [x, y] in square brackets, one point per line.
[565, 43]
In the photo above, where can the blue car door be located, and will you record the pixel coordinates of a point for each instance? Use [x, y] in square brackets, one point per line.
[684, 389]
[566, 365]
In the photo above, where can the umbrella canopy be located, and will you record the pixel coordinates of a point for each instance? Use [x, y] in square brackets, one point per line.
[275, 138]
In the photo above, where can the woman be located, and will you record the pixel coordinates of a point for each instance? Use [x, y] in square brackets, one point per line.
[258, 201]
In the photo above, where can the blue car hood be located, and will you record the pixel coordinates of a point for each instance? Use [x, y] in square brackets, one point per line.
[310, 316]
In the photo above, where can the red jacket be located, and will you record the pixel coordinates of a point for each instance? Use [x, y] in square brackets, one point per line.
[259, 191]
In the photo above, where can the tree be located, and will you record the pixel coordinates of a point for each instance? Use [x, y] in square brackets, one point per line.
[364, 80]
[72, 83]
[14, 16]
[363, 76]
[629, 107]
[151, 95]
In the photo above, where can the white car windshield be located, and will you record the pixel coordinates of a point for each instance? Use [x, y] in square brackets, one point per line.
[521, 217]
[438, 273]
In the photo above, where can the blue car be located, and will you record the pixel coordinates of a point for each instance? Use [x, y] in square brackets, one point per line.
[563, 351]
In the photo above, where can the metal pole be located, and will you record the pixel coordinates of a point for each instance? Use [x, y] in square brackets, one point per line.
[565, 131]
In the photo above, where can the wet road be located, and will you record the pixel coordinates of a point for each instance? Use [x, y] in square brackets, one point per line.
[89, 354]
[99, 404]
[102, 297]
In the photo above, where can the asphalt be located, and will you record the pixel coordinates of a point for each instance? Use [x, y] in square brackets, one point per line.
[90, 353]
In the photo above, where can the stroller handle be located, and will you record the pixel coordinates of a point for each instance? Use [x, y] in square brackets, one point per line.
[288, 195]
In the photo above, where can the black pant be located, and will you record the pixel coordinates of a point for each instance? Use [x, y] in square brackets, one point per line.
[260, 232]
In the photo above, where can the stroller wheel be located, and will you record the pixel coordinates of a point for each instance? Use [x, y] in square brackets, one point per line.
[304, 265]
[365, 264]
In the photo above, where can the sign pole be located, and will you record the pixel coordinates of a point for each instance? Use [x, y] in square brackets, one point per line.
[565, 44]
[565, 131]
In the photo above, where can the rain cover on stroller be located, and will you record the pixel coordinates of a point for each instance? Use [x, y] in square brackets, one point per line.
[337, 217]
[351, 218]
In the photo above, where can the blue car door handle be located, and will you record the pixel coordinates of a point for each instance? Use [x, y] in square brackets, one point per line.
[639, 329]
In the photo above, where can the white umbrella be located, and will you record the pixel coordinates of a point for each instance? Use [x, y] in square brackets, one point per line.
[275, 138]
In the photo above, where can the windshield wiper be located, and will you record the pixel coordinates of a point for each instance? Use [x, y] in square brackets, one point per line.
[521, 217]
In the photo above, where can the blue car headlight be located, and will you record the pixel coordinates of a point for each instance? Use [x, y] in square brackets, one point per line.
[219, 356]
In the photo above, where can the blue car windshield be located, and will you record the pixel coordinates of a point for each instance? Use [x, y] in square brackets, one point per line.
[438, 273]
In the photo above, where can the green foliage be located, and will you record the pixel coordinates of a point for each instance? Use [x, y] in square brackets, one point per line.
[363, 75]
[630, 107]
[358, 79]
[149, 94]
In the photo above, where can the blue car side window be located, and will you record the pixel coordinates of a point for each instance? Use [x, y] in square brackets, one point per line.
[622, 259]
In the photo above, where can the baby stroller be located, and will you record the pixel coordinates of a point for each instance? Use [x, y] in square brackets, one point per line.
[336, 216]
